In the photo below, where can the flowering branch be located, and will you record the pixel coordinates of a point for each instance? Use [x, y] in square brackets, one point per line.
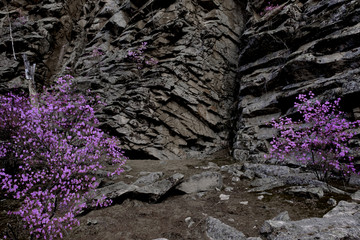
[319, 141]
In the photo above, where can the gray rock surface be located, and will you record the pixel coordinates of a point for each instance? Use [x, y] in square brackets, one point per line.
[266, 228]
[148, 179]
[283, 216]
[344, 209]
[217, 230]
[269, 170]
[157, 190]
[202, 182]
[356, 196]
[264, 184]
[147, 188]
[115, 191]
[355, 180]
[340, 223]
[306, 191]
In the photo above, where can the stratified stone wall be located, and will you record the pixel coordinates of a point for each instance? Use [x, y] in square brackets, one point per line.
[179, 108]
[220, 62]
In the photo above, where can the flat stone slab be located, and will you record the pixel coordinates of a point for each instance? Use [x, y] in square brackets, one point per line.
[343, 222]
[344, 208]
[264, 184]
[158, 189]
[356, 196]
[148, 179]
[152, 192]
[268, 170]
[115, 190]
[305, 191]
[202, 182]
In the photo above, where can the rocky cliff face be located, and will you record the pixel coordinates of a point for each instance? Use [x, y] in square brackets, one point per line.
[179, 108]
[219, 62]
[297, 47]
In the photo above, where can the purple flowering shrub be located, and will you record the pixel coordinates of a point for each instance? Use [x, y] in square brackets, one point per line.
[320, 141]
[54, 151]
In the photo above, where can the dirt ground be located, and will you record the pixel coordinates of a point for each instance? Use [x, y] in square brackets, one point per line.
[138, 220]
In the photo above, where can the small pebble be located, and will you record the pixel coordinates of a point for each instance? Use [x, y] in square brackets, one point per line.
[235, 179]
[91, 222]
[200, 194]
[260, 197]
[189, 221]
[224, 197]
[331, 202]
[244, 202]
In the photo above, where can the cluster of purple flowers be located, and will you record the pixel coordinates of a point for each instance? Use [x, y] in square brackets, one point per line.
[269, 8]
[20, 18]
[138, 57]
[56, 148]
[97, 52]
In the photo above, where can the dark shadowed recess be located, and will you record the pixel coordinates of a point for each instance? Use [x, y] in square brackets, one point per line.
[138, 155]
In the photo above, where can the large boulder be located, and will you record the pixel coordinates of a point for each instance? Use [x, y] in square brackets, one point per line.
[340, 223]
[217, 230]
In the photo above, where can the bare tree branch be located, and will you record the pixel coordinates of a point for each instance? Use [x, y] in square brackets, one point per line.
[30, 75]
[11, 37]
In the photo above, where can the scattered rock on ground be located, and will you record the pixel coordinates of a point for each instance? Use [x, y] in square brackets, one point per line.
[264, 184]
[268, 170]
[147, 189]
[148, 179]
[158, 189]
[217, 230]
[356, 196]
[283, 216]
[331, 202]
[201, 182]
[306, 191]
[343, 209]
[340, 223]
[115, 191]
[224, 197]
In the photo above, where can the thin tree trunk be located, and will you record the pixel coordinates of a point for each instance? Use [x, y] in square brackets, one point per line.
[11, 37]
[30, 76]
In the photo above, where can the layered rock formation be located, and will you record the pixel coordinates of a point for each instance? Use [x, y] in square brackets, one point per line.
[297, 47]
[220, 62]
[179, 108]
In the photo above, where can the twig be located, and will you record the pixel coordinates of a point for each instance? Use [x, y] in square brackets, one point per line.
[11, 37]
[30, 75]
[61, 56]
[12, 231]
